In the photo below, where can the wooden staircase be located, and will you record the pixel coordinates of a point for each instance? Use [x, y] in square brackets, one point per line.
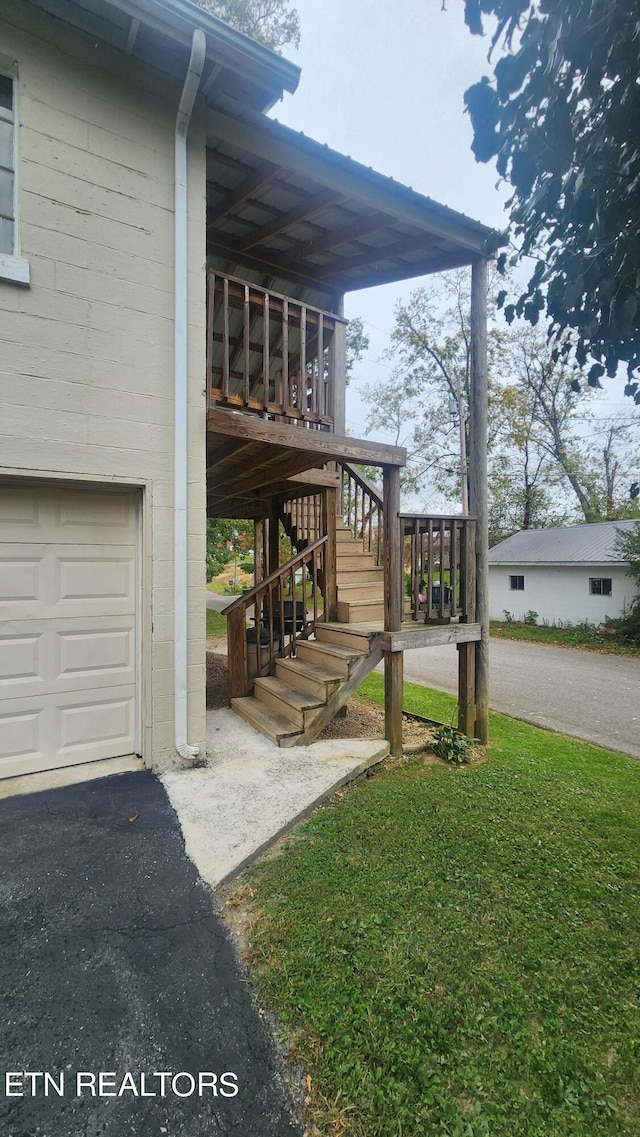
[293, 705]
[360, 580]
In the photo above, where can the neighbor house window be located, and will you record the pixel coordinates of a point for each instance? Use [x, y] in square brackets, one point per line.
[516, 583]
[600, 585]
[12, 266]
[7, 202]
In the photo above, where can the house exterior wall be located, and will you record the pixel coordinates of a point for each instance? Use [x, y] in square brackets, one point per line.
[558, 592]
[86, 362]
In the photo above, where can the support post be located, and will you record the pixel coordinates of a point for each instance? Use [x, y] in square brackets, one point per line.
[478, 483]
[258, 551]
[466, 689]
[274, 538]
[393, 660]
[331, 555]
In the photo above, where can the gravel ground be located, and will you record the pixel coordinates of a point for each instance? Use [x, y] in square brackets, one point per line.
[362, 719]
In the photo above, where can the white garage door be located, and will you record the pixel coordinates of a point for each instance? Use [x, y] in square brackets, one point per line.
[67, 627]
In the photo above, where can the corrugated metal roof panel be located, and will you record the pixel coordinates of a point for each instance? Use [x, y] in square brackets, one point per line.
[579, 544]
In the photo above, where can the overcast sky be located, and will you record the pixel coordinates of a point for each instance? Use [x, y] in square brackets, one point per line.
[384, 82]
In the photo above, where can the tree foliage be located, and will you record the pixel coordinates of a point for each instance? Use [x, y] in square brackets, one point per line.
[560, 118]
[552, 457]
[270, 22]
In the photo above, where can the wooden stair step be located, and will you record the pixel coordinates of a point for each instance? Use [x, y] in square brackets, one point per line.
[308, 676]
[343, 635]
[279, 729]
[356, 611]
[365, 574]
[329, 654]
[359, 590]
[284, 699]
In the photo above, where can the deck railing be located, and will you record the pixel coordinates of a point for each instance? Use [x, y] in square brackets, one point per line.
[362, 510]
[439, 558]
[272, 355]
[302, 519]
[286, 606]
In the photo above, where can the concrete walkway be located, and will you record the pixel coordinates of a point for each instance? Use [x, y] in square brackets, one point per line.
[251, 792]
[581, 693]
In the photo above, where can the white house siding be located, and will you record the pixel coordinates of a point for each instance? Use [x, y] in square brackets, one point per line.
[558, 592]
[86, 364]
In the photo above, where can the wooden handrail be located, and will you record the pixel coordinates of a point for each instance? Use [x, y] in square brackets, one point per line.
[362, 510]
[247, 598]
[280, 621]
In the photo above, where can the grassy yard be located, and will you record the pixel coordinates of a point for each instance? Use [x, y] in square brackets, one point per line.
[216, 624]
[455, 952]
[578, 636]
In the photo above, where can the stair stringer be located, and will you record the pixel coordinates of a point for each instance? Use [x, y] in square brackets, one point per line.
[323, 715]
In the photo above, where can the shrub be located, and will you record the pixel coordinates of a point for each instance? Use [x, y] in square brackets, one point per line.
[509, 618]
[451, 745]
[531, 617]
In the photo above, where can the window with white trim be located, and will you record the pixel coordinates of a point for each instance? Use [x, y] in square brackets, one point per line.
[13, 268]
[516, 583]
[7, 163]
[600, 585]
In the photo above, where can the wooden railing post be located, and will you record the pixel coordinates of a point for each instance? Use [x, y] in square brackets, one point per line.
[237, 653]
[393, 571]
[331, 559]
[338, 377]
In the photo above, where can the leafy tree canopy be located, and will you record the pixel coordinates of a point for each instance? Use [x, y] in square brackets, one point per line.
[270, 22]
[560, 117]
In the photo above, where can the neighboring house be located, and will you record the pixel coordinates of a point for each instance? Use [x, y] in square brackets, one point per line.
[173, 344]
[564, 575]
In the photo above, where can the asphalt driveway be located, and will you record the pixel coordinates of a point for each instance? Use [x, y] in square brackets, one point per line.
[113, 962]
[581, 693]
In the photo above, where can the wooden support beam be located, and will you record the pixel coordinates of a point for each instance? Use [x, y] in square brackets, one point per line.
[308, 209]
[393, 661]
[338, 373]
[273, 554]
[261, 176]
[259, 558]
[417, 635]
[317, 443]
[393, 685]
[336, 237]
[466, 688]
[478, 487]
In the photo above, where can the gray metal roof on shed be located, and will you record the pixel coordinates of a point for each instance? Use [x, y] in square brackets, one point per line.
[575, 544]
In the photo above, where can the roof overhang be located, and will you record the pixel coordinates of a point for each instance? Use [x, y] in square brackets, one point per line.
[159, 33]
[281, 204]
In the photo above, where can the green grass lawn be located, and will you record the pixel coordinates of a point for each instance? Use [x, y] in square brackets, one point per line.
[216, 624]
[582, 637]
[455, 952]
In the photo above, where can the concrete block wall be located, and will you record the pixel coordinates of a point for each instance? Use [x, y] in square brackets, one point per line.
[86, 360]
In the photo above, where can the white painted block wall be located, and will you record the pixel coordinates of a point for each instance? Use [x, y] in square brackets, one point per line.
[86, 362]
[559, 593]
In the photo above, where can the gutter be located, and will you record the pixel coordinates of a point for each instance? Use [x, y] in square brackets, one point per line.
[189, 91]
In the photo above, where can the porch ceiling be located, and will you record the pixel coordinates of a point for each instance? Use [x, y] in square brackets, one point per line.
[249, 460]
[281, 204]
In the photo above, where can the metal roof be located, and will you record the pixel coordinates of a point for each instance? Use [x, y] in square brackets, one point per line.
[575, 544]
[159, 33]
[282, 204]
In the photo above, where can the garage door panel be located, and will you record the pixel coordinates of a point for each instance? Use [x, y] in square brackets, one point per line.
[68, 584]
[51, 513]
[40, 582]
[51, 731]
[66, 655]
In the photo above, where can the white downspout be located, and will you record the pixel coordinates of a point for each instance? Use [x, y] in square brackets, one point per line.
[189, 91]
